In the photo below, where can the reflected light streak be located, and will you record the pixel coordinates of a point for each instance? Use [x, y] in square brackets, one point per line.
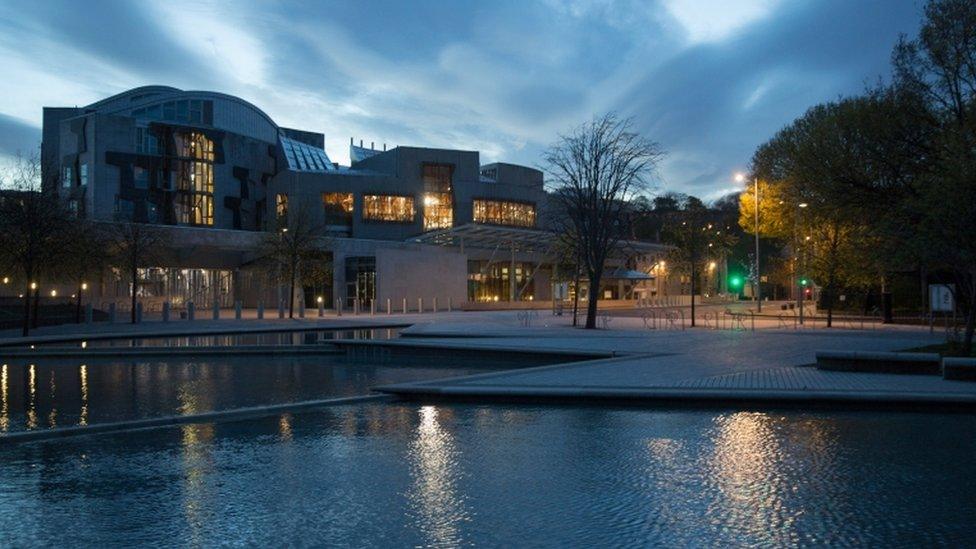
[52, 417]
[4, 404]
[434, 494]
[83, 380]
[284, 427]
[31, 397]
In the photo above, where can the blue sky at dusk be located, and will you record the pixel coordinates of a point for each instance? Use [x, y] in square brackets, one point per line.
[708, 79]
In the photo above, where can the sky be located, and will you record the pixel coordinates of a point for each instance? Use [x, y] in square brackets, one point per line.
[709, 80]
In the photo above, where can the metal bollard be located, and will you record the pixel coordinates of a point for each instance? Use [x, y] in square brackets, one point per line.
[372, 307]
[301, 307]
[89, 313]
[435, 304]
[321, 303]
[138, 312]
[190, 310]
[420, 304]
[338, 306]
[166, 307]
[216, 310]
[355, 306]
[404, 305]
[281, 308]
[260, 310]
[111, 313]
[389, 306]
[237, 309]
[450, 304]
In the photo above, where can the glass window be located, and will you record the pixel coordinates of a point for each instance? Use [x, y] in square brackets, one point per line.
[382, 207]
[503, 212]
[67, 179]
[140, 178]
[196, 111]
[438, 196]
[281, 207]
[169, 110]
[338, 208]
[195, 183]
[182, 112]
[83, 174]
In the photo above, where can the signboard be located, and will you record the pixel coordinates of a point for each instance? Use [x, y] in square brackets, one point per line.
[941, 298]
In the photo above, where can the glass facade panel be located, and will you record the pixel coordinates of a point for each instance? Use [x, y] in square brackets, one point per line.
[67, 178]
[281, 208]
[338, 208]
[489, 282]
[438, 196]
[385, 207]
[195, 179]
[503, 212]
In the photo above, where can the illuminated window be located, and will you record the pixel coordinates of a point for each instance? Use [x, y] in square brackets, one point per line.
[502, 212]
[384, 207]
[281, 207]
[438, 198]
[195, 184]
[83, 174]
[338, 208]
[67, 180]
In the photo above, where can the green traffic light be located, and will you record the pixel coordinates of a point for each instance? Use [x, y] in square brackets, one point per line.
[803, 282]
[735, 282]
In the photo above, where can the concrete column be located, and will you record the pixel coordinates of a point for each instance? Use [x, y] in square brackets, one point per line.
[111, 313]
[89, 313]
[166, 309]
[190, 310]
[237, 309]
[260, 310]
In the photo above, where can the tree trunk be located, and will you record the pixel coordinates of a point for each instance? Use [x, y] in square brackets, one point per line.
[576, 296]
[828, 298]
[37, 299]
[78, 306]
[693, 285]
[135, 290]
[291, 293]
[967, 339]
[591, 307]
[25, 331]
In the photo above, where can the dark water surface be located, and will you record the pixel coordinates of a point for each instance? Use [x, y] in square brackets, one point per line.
[390, 475]
[46, 393]
[295, 337]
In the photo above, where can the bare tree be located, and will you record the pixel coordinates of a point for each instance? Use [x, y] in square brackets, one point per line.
[86, 251]
[33, 228]
[298, 249]
[135, 246]
[595, 171]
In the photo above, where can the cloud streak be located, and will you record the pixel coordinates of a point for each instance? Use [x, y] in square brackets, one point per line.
[709, 80]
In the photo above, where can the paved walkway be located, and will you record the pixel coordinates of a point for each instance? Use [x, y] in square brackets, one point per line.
[771, 365]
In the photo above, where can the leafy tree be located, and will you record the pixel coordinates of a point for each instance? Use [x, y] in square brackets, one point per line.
[134, 246]
[597, 170]
[298, 249]
[697, 238]
[34, 226]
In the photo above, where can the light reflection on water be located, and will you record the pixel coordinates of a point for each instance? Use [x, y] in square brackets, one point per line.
[449, 475]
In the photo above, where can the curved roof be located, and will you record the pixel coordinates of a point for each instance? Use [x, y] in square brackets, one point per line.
[151, 95]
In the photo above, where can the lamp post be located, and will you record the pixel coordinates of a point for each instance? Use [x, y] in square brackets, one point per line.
[801, 291]
[758, 287]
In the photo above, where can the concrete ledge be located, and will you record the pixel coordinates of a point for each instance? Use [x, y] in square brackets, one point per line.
[169, 421]
[957, 368]
[688, 397]
[365, 348]
[877, 362]
[129, 352]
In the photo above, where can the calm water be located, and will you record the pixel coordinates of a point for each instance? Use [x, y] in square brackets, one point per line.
[303, 337]
[56, 392]
[404, 475]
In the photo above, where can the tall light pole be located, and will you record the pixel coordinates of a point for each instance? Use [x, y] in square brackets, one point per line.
[758, 287]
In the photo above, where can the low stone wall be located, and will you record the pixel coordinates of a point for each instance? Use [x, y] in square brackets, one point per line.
[884, 363]
[961, 369]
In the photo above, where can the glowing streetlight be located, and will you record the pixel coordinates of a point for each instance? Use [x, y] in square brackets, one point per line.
[33, 285]
[84, 285]
[803, 204]
[54, 293]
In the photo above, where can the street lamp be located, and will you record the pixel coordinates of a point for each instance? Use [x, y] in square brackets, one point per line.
[741, 179]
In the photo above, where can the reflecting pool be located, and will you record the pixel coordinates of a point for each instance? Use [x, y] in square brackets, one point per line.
[46, 393]
[456, 475]
[293, 337]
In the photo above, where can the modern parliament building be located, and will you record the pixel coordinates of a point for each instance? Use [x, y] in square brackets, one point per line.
[217, 173]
